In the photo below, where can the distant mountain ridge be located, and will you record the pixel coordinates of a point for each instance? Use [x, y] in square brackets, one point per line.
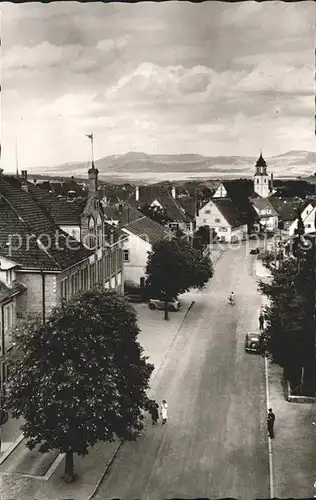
[139, 165]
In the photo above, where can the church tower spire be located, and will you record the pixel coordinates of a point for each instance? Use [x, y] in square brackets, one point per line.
[261, 178]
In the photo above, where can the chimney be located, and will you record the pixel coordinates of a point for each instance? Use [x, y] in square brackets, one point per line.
[93, 181]
[24, 174]
[271, 186]
[173, 192]
[137, 193]
[35, 181]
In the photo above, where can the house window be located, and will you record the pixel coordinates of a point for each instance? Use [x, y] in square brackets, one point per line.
[207, 211]
[204, 220]
[126, 255]
[257, 181]
[308, 225]
[265, 180]
[217, 220]
[64, 292]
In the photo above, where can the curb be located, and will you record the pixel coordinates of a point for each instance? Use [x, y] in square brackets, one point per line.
[290, 398]
[108, 465]
[11, 448]
[120, 444]
[220, 253]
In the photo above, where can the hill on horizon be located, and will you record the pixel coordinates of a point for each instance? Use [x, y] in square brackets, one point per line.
[140, 166]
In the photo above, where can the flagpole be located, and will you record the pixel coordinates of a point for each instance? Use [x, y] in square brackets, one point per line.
[16, 156]
[92, 152]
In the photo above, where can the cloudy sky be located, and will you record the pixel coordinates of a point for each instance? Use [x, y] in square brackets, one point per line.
[174, 77]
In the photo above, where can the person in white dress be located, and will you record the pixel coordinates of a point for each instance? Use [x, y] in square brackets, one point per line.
[164, 411]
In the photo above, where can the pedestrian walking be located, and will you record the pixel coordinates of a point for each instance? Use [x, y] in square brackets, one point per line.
[164, 411]
[261, 321]
[270, 423]
[154, 411]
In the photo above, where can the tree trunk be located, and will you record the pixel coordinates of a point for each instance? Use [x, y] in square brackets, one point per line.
[166, 310]
[69, 476]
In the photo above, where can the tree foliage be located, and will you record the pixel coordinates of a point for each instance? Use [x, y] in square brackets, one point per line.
[158, 214]
[289, 320]
[174, 267]
[203, 236]
[81, 377]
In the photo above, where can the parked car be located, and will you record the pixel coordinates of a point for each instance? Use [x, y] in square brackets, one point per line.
[254, 251]
[253, 342]
[172, 305]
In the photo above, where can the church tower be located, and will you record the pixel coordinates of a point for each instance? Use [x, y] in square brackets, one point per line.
[261, 178]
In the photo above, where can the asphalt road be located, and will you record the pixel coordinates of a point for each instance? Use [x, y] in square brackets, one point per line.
[214, 443]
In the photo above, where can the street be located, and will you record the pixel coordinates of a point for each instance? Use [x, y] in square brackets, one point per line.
[214, 443]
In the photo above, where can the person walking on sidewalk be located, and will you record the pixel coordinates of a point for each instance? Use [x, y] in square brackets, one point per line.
[164, 411]
[270, 423]
[154, 411]
[261, 321]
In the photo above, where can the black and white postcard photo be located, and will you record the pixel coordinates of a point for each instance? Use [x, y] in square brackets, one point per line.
[157, 250]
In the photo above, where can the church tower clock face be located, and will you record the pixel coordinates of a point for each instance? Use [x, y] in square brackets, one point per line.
[261, 178]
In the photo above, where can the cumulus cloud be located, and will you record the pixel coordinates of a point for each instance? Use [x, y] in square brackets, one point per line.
[213, 78]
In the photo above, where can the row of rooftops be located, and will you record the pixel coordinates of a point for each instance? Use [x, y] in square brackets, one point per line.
[26, 209]
[24, 220]
[42, 211]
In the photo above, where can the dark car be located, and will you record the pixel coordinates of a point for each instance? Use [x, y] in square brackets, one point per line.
[253, 342]
[254, 251]
[172, 305]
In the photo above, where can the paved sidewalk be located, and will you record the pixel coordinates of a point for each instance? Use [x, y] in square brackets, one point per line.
[294, 445]
[156, 337]
[10, 431]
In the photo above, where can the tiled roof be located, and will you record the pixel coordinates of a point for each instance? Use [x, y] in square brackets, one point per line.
[123, 213]
[7, 291]
[67, 211]
[63, 188]
[286, 208]
[229, 211]
[148, 194]
[188, 203]
[21, 215]
[263, 204]
[148, 230]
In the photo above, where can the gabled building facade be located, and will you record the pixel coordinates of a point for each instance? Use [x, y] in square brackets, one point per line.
[287, 210]
[43, 254]
[223, 217]
[268, 217]
[142, 234]
[220, 192]
[308, 217]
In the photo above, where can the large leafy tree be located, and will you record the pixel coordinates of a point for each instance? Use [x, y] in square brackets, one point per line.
[289, 318]
[81, 377]
[202, 238]
[174, 267]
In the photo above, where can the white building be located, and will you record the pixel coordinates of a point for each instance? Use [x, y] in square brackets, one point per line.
[221, 215]
[308, 218]
[267, 214]
[142, 235]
